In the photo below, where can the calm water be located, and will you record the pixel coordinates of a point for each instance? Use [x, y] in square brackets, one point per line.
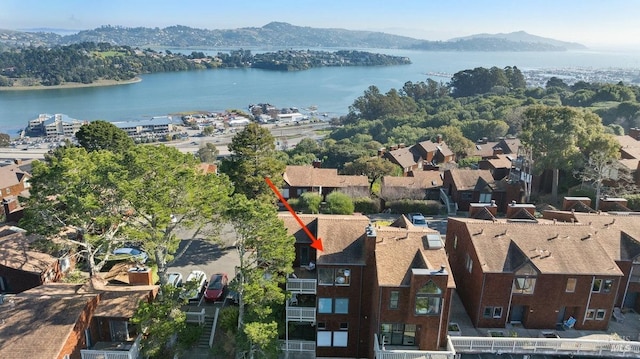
[332, 90]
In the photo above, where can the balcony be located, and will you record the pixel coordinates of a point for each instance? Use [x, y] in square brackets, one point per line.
[113, 350]
[298, 346]
[301, 314]
[381, 352]
[301, 285]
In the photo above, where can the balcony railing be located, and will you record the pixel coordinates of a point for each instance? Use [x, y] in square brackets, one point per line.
[298, 346]
[555, 346]
[129, 351]
[383, 353]
[301, 314]
[302, 286]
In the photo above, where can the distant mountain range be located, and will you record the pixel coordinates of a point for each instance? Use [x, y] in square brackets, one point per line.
[279, 35]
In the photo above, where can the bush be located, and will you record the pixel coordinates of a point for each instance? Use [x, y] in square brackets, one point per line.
[633, 201]
[366, 205]
[310, 202]
[427, 207]
[583, 192]
[339, 203]
[189, 336]
[229, 319]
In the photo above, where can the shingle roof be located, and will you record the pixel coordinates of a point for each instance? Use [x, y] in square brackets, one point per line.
[398, 250]
[405, 157]
[484, 149]
[553, 248]
[308, 176]
[342, 236]
[12, 175]
[509, 146]
[466, 179]
[500, 161]
[15, 253]
[418, 180]
[629, 145]
[620, 233]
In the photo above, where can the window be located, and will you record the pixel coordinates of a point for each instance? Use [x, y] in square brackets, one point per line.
[455, 241]
[571, 285]
[343, 276]
[393, 299]
[344, 326]
[321, 325]
[342, 305]
[325, 276]
[597, 285]
[340, 339]
[121, 330]
[398, 334]
[600, 314]
[608, 284]
[468, 262]
[324, 339]
[428, 299]
[325, 305]
[485, 198]
[525, 280]
[591, 313]
[492, 312]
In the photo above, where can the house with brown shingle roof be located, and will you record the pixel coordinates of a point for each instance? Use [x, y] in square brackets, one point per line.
[423, 155]
[536, 273]
[416, 185]
[619, 235]
[499, 165]
[301, 179]
[22, 267]
[630, 154]
[465, 186]
[14, 179]
[395, 277]
[59, 320]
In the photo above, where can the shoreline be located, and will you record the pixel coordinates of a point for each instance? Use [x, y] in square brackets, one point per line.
[72, 85]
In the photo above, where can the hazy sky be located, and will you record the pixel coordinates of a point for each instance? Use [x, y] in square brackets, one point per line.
[596, 23]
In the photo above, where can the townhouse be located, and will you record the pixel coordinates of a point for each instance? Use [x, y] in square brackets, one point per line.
[301, 179]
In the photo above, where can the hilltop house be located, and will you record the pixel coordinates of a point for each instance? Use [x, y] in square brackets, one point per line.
[301, 179]
[387, 285]
[540, 272]
[421, 156]
[416, 185]
[466, 186]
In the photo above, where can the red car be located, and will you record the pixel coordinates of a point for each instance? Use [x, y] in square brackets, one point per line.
[217, 287]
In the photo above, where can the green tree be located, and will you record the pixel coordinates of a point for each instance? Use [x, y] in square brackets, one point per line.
[601, 168]
[339, 203]
[311, 201]
[166, 192]
[72, 190]
[456, 141]
[103, 135]
[208, 131]
[208, 153]
[372, 167]
[559, 136]
[5, 140]
[252, 160]
[266, 253]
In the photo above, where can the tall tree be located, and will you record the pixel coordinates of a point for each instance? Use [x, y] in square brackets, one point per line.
[372, 167]
[166, 191]
[103, 135]
[75, 191]
[266, 253]
[208, 153]
[559, 136]
[252, 160]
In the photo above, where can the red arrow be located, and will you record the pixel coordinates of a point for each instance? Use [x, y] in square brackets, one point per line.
[315, 243]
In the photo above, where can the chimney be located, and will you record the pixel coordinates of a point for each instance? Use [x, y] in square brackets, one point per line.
[140, 276]
[17, 161]
[569, 202]
[316, 163]
[439, 138]
[401, 145]
[381, 151]
[514, 208]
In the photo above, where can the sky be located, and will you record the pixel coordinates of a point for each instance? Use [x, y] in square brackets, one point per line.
[595, 23]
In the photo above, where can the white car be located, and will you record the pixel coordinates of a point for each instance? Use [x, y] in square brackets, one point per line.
[174, 279]
[135, 253]
[194, 285]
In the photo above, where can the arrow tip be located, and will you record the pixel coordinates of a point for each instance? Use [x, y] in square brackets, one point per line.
[317, 244]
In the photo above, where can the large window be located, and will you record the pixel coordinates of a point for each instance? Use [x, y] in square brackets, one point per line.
[331, 276]
[332, 339]
[333, 306]
[525, 280]
[492, 312]
[597, 286]
[428, 299]
[398, 334]
[485, 198]
[393, 299]
[571, 285]
[607, 285]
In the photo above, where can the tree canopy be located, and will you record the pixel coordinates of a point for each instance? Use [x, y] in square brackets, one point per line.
[103, 135]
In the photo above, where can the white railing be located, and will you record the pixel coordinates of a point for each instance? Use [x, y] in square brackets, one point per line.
[451, 206]
[213, 328]
[383, 353]
[302, 286]
[132, 353]
[301, 314]
[195, 317]
[298, 346]
[583, 347]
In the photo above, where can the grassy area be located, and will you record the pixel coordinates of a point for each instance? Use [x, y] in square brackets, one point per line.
[107, 53]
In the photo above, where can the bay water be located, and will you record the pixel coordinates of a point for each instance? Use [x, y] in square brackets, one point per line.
[332, 89]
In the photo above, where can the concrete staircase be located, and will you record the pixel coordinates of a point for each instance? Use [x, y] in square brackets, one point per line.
[203, 342]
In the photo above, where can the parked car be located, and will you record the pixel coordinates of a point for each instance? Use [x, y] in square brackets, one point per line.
[417, 219]
[137, 254]
[194, 285]
[217, 287]
[232, 296]
[174, 279]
